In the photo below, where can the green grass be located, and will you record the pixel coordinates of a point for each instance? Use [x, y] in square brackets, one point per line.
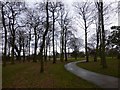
[27, 75]
[73, 59]
[111, 70]
[0, 76]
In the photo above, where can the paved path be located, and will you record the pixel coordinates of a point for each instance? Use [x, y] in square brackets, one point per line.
[102, 81]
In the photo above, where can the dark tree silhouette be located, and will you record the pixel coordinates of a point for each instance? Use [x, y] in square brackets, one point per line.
[44, 35]
[5, 30]
[101, 20]
[84, 12]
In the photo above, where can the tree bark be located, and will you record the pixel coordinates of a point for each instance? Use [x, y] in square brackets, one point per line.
[46, 52]
[45, 57]
[86, 51]
[103, 37]
[44, 35]
[23, 50]
[62, 38]
[100, 35]
[13, 36]
[29, 45]
[54, 58]
[97, 45]
[65, 44]
[49, 51]
[5, 43]
[35, 48]
[62, 45]
[96, 52]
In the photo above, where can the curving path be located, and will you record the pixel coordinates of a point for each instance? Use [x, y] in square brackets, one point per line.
[101, 80]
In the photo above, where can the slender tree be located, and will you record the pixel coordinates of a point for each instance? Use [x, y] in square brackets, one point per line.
[62, 12]
[13, 10]
[44, 35]
[103, 58]
[54, 9]
[84, 12]
[5, 30]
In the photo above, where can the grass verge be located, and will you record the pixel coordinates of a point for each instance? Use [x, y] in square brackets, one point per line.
[27, 75]
[112, 66]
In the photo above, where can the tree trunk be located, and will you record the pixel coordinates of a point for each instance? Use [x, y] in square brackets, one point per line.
[100, 36]
[62, 44]
[86, 51]
[29, 45]
[62, 39]
[62, 54]
[20, 49]
[9, 51]
[103, 37]
[5, 43]
[56, 51]
[65, 44]
[69, 55]
[54, 58]
[19, 56]
[13, 36]
[97, 45]
[45, 58]
[100, 49]
[23, 51]
[35, 48]
[76, 56]
[44, 35]
[49, 51]
[46, 52]
[13, 44]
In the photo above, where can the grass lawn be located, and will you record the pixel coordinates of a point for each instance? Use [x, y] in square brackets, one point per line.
[0, 76]
[112, 64]
[73, 59]
[27, 75]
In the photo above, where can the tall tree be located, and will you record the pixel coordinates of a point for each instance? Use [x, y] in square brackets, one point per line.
[107, 9]
[54, 8]
[114, 39]
[67, 26]
[44, 35]
[85, 11]
[5, 30]
[62, 12]
[103, 58]
[35, 23]
[75, 44]
[12, 11]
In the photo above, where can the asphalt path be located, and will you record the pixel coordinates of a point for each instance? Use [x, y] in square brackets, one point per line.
[103, 81]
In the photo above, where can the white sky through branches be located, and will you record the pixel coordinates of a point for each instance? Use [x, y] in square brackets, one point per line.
[68, 3]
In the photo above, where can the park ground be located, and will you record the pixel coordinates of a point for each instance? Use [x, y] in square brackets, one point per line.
[112, 66]
[27, 75]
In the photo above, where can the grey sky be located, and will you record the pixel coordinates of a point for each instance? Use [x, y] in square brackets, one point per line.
[80, 31]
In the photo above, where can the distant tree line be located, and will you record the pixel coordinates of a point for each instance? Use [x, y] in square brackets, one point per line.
[48, 26]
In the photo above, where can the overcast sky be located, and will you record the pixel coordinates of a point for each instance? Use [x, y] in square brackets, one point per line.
[80, 32]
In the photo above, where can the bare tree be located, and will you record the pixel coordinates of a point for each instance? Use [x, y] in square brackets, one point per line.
[19, 41]
[11, 12]
[68, 26]
[44, 35]
[103, 59]
[5, 30]
[61, 23]
[75, 44]
[85, 11]
[106, 11]
[33, 19]
[54, 9]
